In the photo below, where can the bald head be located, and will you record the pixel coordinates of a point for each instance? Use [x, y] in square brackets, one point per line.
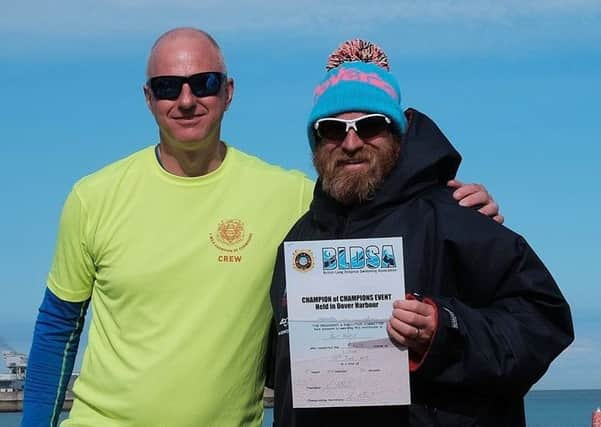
[179, 44]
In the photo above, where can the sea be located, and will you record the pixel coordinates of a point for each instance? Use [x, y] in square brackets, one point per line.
[544, 408]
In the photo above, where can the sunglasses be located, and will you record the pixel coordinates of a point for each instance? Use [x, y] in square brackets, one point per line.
[201, 84]
[366, 127]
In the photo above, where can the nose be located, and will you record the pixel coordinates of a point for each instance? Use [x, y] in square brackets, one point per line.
[186, 98]
[351, 142]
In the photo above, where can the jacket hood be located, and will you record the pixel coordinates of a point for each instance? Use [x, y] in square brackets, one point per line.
[427, 159]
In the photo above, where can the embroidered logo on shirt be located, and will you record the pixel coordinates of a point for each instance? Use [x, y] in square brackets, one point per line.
[230, 236]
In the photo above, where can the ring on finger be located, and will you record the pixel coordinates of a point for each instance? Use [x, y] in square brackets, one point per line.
[418, 331]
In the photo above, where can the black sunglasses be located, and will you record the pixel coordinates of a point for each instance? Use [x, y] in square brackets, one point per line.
[201, 84]
[367, 126]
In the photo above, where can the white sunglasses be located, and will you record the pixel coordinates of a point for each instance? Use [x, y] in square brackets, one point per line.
[366, 127]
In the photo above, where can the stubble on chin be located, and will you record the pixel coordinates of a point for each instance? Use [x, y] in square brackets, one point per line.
[350, 186]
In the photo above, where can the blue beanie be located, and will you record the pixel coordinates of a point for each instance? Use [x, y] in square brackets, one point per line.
[357, 86]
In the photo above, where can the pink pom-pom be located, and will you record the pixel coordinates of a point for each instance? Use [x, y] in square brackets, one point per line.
[358, 50]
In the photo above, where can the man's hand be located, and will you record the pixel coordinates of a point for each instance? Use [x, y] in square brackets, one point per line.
[413, 324]
[470, 195]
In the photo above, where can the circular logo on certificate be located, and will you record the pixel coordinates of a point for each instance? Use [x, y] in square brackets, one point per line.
[303, 260]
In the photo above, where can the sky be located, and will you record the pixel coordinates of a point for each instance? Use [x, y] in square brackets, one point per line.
[515, 85]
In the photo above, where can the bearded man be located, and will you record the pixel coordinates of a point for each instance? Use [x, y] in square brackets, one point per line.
[482, 319]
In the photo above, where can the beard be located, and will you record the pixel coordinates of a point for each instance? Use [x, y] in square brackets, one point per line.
[352, 187]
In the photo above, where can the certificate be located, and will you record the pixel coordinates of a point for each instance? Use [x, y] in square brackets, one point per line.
[339, 296]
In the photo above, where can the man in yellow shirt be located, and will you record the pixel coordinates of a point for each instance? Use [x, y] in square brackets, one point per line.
[174, 248]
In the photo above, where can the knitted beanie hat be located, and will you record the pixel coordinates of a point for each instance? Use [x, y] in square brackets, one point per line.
[357, 79]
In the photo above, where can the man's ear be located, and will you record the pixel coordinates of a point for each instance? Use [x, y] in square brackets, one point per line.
[147, 96]
[229, 92]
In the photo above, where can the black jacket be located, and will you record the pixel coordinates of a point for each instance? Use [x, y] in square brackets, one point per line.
[502, 318]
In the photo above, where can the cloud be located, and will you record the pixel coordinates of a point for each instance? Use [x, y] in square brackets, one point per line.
[108, 18]
[583, 347]
[577, 367]
[437, 28]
